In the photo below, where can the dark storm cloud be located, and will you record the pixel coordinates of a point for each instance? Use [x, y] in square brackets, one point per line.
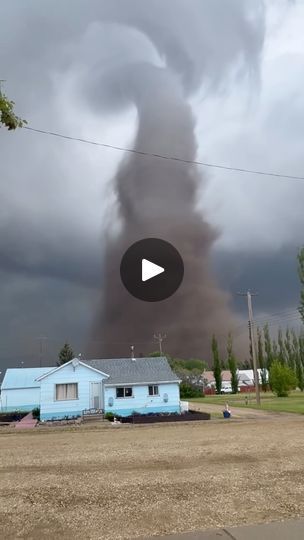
[33, 252]
[51, 217]
[273, 276]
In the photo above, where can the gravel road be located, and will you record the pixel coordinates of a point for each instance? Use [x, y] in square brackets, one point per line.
[137, 481]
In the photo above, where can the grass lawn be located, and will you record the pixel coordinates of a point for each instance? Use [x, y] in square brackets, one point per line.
[294, 403]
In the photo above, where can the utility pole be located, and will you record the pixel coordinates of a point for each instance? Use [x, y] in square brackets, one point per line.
[249, 295]
[41, 340]
[159, 338]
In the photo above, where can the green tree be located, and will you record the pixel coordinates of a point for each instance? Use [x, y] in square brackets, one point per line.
[301, 276]
[245, 364]
[290, 356]
[188, 390]
[282, 355]
[261, 361]
[8, 118]
[282, 379]
[65, 354]
[217, 367]
[301, 348]
[268, 346]
[296, 352]
[232, 364]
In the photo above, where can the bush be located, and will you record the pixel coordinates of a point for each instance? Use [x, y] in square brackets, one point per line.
[282, 379]
[190, 391]
[110, 416]
[36, 413]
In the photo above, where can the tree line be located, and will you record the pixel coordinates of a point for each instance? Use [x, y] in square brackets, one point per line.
[279, 358]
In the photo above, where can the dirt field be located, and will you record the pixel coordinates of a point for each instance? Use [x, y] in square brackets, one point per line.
[136, 481]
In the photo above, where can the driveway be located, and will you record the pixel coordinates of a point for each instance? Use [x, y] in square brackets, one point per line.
[237, 412]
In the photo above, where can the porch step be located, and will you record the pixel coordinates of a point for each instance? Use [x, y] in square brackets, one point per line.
[27, 422]
[92, 417]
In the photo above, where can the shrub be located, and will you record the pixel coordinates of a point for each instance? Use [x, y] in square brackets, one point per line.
[110, 416]
[36, 413]
[190, 391]
[282, 379]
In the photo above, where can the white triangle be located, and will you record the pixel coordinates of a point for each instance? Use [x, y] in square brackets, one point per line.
[149, 270]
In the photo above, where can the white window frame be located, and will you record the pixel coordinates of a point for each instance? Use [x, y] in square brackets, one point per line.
[65, 398]
[153, 386]
[124, 388]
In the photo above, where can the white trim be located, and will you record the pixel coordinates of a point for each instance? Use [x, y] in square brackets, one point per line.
[20, 388]
[113, 384]
[66, 364]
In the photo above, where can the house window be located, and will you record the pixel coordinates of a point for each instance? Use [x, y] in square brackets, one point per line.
[66, 391]
[153, 390]
[124, 392]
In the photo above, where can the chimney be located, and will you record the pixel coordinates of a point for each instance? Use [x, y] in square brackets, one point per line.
[132, 353]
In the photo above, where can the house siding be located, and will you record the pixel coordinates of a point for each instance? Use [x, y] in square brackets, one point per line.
[41, 391]
[52, 409]
[20, 399]
[141, 402]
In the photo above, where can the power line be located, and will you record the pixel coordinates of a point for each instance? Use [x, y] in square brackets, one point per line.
[285, 313]
[265, 320]
[242, 329]
[280, 312]
[166, 157]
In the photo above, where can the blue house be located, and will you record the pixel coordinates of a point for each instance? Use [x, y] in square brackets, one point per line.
[118, 385]
[20, 389]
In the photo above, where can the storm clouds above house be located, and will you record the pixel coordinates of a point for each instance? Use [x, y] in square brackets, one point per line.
[56, 195]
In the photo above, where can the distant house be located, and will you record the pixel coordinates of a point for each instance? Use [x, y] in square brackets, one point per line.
[245, 377]
[118, 385]
[209, 379]
[249, 374]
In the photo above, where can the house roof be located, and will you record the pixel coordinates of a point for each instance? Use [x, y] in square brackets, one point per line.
[250, 374]
[208, 375]
[138, 370]
[117, 371]
[76, 362]
[245, 377]
[23, 377]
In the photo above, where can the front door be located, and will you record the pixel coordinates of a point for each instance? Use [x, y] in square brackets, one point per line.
[96, 395]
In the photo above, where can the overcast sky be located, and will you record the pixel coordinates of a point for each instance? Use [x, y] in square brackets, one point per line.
[56, 194]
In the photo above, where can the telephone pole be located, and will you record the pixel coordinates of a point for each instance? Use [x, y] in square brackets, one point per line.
[249, 295]
[160, 338]
[42, 340]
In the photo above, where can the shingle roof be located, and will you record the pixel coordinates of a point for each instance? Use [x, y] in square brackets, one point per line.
[23, 377]
[139, 370]
[209, 376]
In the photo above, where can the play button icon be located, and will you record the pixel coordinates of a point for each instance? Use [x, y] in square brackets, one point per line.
[151, 269]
